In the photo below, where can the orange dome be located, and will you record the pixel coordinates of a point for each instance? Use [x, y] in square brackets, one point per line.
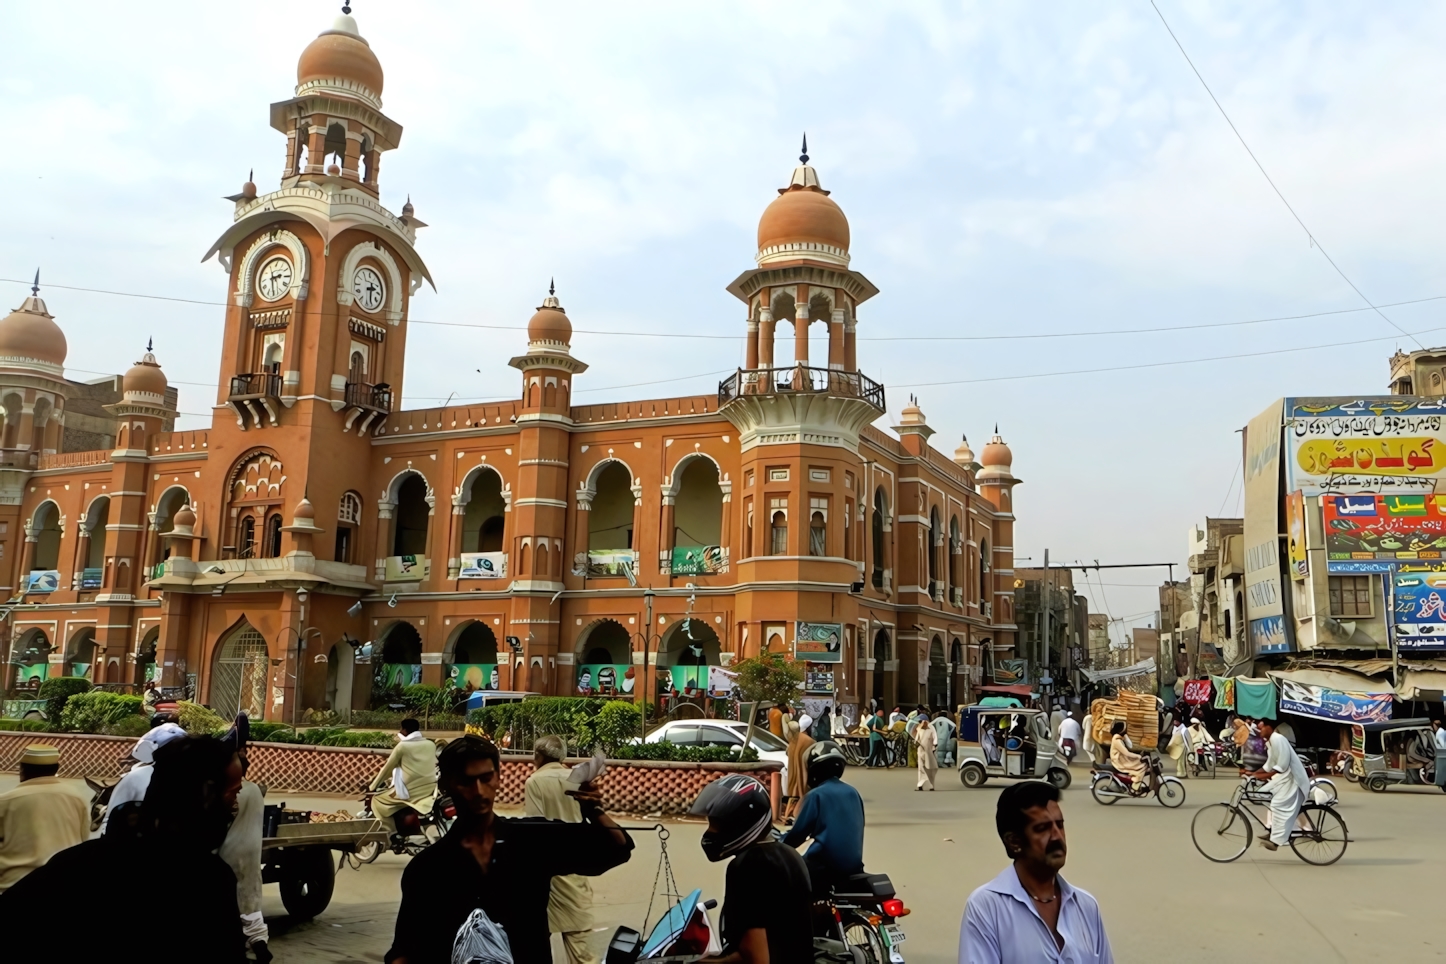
[803, 222]
[145, 376]
[341, 54]
[996, 453]
[304, 510]
[550, 324]
[30, 333]
[184, 517]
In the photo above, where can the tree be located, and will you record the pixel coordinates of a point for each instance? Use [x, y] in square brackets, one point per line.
[767, 678]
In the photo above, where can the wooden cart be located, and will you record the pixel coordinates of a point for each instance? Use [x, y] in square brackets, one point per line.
[299, 858]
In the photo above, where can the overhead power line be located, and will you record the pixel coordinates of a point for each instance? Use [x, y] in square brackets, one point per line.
[1315, 243]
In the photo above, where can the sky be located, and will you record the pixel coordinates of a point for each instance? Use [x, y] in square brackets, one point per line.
[1018, 178]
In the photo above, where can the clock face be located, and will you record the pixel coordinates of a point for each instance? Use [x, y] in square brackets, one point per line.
[274, 279]
[366, 286]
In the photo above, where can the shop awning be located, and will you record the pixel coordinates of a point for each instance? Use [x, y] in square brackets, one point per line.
[1422, 680]
[1334, 679]
[1142, 668]
[1332, 694]
[1016, 689]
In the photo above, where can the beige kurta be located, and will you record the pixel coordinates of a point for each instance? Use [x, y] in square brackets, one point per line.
[416, 756]
[1124, 759]
[38, 819]
[926, 741]
[544, 795]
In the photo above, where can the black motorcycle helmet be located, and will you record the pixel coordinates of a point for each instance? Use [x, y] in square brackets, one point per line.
[739, 811]
[824, 761]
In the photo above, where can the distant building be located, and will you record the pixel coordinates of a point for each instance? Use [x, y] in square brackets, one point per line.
[1053, 623]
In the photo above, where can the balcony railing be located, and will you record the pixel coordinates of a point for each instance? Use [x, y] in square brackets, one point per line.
[374, 398]
[19, 458]
[255, 385]
[801, 379]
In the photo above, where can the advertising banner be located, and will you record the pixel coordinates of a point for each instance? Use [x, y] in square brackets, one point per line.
[1009, 672]
[483, 565]
[818, 681]
[482, 676]
[1307, 700]
[613, 563]
[1296, 557]
[684, 681]
[697, 560]
[1419, 612]
[818, 642]
[407, 568]
[399, 674]
[1357, 445]
[1375, 533]
[1264, 598]
[42, 580]
[721, 682]
[605, 679]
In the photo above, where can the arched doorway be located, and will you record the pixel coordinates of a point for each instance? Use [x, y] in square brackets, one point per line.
[146, 657]
[80, 654]
[881, 656]
[30, 659]
[604, 654]
[938, 676]
[472, 658]
[687, 649]
[400, 663]
[242, 668]
[45, 529]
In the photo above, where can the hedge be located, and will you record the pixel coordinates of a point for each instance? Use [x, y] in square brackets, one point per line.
[584, 722]
[28, 726]
[663, 750]
[57, 691]
[92, 712]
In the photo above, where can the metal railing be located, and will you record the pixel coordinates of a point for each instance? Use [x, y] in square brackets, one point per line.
[256, 385]
[800, 379]
[376, 398]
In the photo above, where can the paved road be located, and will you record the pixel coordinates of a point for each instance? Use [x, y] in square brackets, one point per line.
[1160, 898]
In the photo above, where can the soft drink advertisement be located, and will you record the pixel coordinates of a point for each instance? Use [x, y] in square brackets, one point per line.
[1375, 533]
[1420, 609]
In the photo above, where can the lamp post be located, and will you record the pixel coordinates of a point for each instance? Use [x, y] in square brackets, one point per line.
[301, 634]
[647, 635]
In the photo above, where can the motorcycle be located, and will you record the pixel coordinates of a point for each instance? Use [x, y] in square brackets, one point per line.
[1108, 785]
[866, 910]
[411, 831]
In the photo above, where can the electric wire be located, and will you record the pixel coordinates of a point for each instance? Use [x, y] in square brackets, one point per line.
[1261, 167]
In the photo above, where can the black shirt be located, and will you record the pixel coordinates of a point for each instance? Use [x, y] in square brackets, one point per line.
[768, 887]
[443, 885]
[194, 918]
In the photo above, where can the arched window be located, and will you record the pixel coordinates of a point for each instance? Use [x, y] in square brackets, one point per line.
[543, 567]
[817, 534]
[483, 523]
[45, 527]
[934, 552]
[39, 416]
[955, 547]
[273, 536]
[881, 656]
[610, 523]
[12, 421]
[984, 596]
[698, 506]
[167, 506]
[95, 523]
[357, 372]
[411, 517]
[778, 532]
[348, 521]
[271, 358]
[876, 535]
[246, 546]
[80, 654]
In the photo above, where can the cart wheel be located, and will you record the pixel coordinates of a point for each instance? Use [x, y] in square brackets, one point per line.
[1376, 783]
[972, 775]
[310, 879]
[1059, 778]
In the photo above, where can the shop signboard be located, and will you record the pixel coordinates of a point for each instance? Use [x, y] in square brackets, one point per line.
[482, 676]
[697, 560]
[818, 680]
[1377, 533]
[1419, 610]
[1357, 445]
[612, 563]
[1304, 699]
[42, 580]
[407, 568]
[1011, 672]
[1298, 560]
[818, 642]
[483, 565]
[605, 679]
[1264, 596]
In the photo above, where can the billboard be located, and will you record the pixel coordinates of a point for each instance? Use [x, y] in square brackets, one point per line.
[605, 679]
[1419, 608]
[1009, 672]
[1357, 445]
[818, 642]
[1376, 533]
[615, 562]
[407, 568]
[1304, 699]
[482, 676]
[42, 580]
[1264, 596]
[483, 565]
[1295, 551]
[697, 560]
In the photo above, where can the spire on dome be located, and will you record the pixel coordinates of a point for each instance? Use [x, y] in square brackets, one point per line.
[35, 288]
[803, 158]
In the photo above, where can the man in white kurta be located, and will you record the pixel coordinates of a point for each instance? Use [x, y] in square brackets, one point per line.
[569, 907]
[926, 742]
[1288, 784]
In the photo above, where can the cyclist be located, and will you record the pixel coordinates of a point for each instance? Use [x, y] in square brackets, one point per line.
[833, 816]
[766, 903]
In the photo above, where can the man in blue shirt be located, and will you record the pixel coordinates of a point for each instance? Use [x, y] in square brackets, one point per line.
[1029, 914]
[833, 815]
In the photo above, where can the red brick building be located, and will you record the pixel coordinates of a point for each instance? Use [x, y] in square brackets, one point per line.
[315, 540]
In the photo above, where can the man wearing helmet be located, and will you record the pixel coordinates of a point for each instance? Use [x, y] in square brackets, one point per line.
[833, 816]
[766, 901]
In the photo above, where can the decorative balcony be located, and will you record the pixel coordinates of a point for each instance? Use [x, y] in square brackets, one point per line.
[801, 379]
[255, 395]
[800, 405]
[369, 403]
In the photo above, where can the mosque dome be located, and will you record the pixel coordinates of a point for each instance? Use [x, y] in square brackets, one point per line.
[996, 453]
[803, 222]
[29, 333]
[340, 59]
[550, 325]
[145, 378]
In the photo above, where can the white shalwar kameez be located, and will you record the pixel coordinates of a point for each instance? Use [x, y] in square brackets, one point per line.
[1288, 788]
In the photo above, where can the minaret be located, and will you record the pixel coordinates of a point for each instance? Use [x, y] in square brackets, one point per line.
[996, 483]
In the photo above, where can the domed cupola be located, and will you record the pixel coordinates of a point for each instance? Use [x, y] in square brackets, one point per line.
[340, 61]
[144, 383]
[550, 327]
[803, 222]
[30, 339]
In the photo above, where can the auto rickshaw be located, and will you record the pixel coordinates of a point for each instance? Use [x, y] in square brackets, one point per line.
[1008, 742]
[1393, 751]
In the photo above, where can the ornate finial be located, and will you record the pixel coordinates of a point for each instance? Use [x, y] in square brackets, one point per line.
[251, 174]
[35, 288]
[803, 158]
[996, 428]
[552, 286]
[346, 8]
[149, 343]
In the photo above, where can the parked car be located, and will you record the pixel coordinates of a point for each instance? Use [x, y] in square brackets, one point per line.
[720, 733]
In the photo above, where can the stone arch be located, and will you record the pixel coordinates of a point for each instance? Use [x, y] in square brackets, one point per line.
[30, 657]
[40, 414]
[604, 638]
[45, 529]
[613, 502]
[473, 641]
[146, 654]
[697, 493]
[589, 486]
[80, 653]
[340, 674]
[378, 252]
[396, 657]
[14, 404]
[483, 499]
[881, 655]
[690, 641]
[411, 500]
[251, 260]
[241, 670]
[162, 519]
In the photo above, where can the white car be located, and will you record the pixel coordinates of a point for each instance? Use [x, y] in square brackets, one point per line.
[721, 733]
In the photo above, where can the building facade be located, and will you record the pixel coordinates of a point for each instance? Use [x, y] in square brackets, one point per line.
[316, 543]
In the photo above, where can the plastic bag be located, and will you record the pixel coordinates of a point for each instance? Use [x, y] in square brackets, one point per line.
[479, 941]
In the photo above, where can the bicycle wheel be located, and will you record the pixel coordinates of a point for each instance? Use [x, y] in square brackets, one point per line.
[858, 932]
[1208, 766]
[1328, 791]
[1171, 792]
[1325, 841]
[1221, 832]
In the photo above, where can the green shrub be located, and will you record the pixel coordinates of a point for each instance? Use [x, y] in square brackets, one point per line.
[427, 700]
[28, 726]
[92, 712]
[136, 725]
[664, 750]
[317, 735]
[195, 718]
[57, 691]
[264, 732]
[618, 721]
[363, 738]
[584, 722]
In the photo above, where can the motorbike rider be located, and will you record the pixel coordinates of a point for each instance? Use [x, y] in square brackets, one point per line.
[767, 904]
[1124, 758]
[832, 815]
[412, 769]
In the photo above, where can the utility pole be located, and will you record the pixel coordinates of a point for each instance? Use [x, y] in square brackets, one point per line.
[1044, 613]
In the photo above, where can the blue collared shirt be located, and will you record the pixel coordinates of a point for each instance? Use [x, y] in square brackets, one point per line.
[1002, 926]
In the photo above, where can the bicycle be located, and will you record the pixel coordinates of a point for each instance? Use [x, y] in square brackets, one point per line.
[1222, 832]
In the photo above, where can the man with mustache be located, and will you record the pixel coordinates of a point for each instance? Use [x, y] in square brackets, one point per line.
[1029, 914]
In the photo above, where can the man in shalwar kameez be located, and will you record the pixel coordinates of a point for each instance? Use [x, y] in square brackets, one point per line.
[1288, 784]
